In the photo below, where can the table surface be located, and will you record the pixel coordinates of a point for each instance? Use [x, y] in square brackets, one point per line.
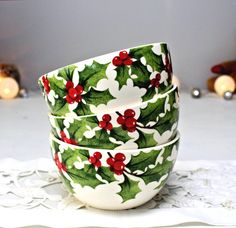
[207, 126]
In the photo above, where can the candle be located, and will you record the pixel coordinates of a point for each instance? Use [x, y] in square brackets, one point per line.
[224, 84]
[9, 88]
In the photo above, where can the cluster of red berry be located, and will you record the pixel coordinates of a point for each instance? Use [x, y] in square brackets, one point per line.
[74, 93]
[155, 82]
[168, 66]
[117, 163]
[105, 122]
[46, 84]
[122, 59]
[95, 159]
[128, 121]
[67, 140]
[60, 165]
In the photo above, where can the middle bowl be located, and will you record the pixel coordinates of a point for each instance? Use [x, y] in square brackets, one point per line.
[147, 125]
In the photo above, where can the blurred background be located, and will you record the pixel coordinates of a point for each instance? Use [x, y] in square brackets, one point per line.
[40, 36]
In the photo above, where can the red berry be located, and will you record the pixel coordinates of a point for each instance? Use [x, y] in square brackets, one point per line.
[129, 113]
[79, 89]
[63, 167]
[130, 122]
[153, 82]
[98, 163]
[78, 99]
[110, 161]
[97, 155]
[123, 55]
[119, 165]
[69, 99]
[92, 160]
[106, 117]
[117, 61]
[118, 172]
[157, 84]
[128, 62]
[120, 157]
[132, 129]
[102, 124]
[73, 93]
[158, 77]
[121, 120]
[62, 134]
[109, 126]
[69, 85]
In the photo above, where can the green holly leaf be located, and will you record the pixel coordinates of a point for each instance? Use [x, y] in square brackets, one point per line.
[122, 75]
[154, 174]
[164, 49]
[151, 92]
[157, 172]
[119, 134]
[71, 156]
[54, 147]
[82, 109]
[59, 123]
[171, 116]
[59, 108]
[92, 74]
[96, 97]
[106, 174]
[142, 160]
[67, 72]
[145, 140]
[85, 176]
[58, 86]
[155, 61]
[79, 126]
[152, 111]
[129, 189]
[143, 76]
[100, 140]
[67, 183]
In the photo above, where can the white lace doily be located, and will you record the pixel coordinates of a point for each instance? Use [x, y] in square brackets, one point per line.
[197, 191]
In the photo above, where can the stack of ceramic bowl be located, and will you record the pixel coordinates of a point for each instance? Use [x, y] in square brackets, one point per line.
[114, 124]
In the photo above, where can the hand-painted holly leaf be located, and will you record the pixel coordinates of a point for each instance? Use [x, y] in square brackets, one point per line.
[85, 176]
[67, 183]
[100, 140]
[67, 72]
[92, 74]
[122, 75]
[164, 48]
[60, 107]
[59, 123]
[129, 189]
[151, 92]
[157, 172]
[106, 174]
[142, 160]
[82, 109]
[96, 97]
[79, 126]
[153, 60]
[58, 86]
[145, 140]
[152, 111]
[143, 75]
[119, 134]
[72, 156]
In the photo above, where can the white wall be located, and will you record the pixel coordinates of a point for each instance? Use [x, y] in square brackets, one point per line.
[40, 36]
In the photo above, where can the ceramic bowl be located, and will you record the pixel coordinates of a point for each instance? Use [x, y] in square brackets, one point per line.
[121, 78]
[150, 124]
[114, 180]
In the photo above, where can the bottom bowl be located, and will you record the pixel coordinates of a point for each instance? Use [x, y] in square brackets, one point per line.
[113, 180]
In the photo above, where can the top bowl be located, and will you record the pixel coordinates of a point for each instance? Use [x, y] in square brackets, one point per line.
[118, 79]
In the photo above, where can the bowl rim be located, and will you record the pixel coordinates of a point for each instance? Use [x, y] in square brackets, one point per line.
[52, 138]
[104, 55]
[157, 96]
